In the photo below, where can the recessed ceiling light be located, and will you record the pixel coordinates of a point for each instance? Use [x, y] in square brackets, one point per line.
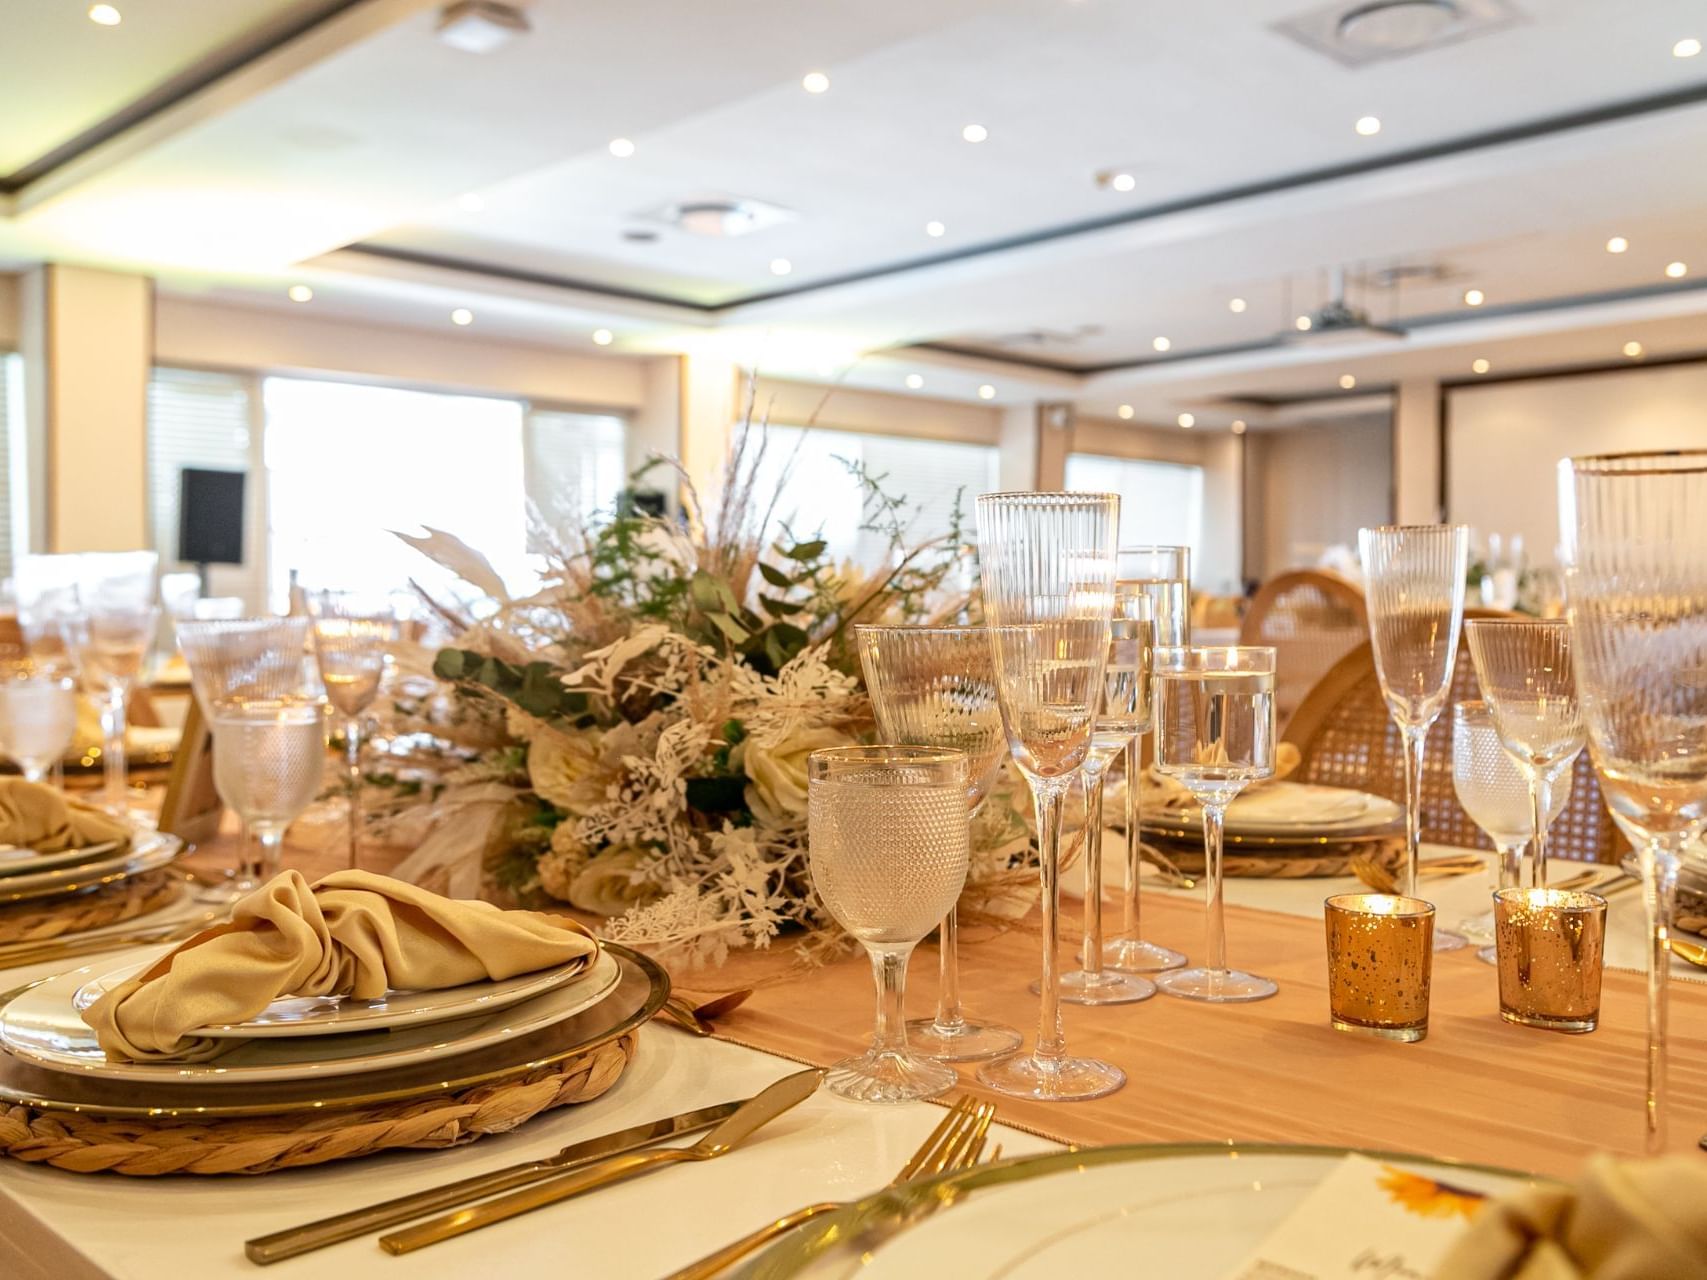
[1347, 382]
[1617, 244]
[471, 202]
[1479, 365]
[935, 228]
[1474, 297]
[1633, 350]
[815, 82]
[986, 392]
[1187, 421]
[621, 148]
[1302, 324]
[1236, 305]
[781, 266]
[1238, 426]
[1125, 411]
[974, 133]
[1161, 344]
[602, 337]
[1123, 182]
[300, 293]
[1677, 270]
[1368, 126]
[106, 16]
[462, 315]
[1687, 47]
[915, 381]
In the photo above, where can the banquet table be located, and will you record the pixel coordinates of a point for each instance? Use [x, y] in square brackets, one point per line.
[1476, 1089]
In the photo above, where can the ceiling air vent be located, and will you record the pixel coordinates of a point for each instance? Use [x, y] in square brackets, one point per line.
[719, 216]
[1357, 32]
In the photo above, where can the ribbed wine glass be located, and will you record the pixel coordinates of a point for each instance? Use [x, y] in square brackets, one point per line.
[936, 687]
[1524, 668]
[353, 633]
[1047, 562]
[119, 612]
[1633, 531]
[888, 849]
[1215, 733]
[1161, 575]
[1414, 578]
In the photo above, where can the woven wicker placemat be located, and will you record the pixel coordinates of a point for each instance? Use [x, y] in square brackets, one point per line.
[42, 918]
[260, 1144]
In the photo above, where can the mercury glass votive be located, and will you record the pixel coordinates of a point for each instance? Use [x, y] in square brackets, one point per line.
[1380, 961]
[1549, 944]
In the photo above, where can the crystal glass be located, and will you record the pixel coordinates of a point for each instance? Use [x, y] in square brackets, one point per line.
[353, 633]
[1633, 534]
[1215, 733]
[117, 590]
[50, 605]
[1123, 714]
[1162, 576]
[1524, 668]
[1047, 563]
[888, 848]
[269, 755]
[1414, 579]
[38, 716]
[1496, 795]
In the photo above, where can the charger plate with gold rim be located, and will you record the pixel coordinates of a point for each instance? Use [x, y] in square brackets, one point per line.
[148, 850]
[640, 991]
[1187, 1211]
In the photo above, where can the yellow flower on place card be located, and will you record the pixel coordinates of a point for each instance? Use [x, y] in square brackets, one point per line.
[1427, 1198]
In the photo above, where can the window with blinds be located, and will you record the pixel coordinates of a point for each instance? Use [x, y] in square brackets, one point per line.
[1161, 503]
[573, 465]
[202, 419]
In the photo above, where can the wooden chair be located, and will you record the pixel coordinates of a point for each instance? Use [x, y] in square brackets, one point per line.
[1346, 739]
[1312, 619]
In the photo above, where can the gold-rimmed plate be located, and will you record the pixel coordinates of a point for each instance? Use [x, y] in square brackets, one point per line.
[147, 851]
[16, 861]
[641, 988]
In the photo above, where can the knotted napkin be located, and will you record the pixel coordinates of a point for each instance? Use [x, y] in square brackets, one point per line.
[36, 817]
[1623, 1220]
[351, 934]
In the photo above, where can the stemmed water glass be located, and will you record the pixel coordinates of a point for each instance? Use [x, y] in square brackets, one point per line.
[1047, 562]
[353, 634]
[1496, 795]
[1162, 576]
[888, 847]
[38, 715]
[117, 591]
[936, 687]
[1633, 530]
[1524, 668]
[1215, 733]
[269, 755]
[1414, 575]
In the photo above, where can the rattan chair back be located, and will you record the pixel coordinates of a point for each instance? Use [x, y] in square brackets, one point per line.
[1312, 619]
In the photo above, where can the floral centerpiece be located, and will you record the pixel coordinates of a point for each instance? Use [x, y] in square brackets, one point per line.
[632, 737]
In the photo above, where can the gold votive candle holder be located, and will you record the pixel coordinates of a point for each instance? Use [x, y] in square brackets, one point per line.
[1380, 962]
[1549, 945]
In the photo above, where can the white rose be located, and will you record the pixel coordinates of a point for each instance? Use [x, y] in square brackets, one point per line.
[612, 883]
[776, 773]
[564, 770]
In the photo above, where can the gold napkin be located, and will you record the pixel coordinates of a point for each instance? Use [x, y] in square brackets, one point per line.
[36, 817]
[353, 933]
[1623, 1220]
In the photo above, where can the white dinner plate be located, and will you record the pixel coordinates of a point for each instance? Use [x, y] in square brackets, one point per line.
[42, 1026]
[1299, 809]
[148, 851]
[340, 1015]
[15, 860]
[1190, 1212]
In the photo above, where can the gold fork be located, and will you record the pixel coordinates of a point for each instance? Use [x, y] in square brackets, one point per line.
[954, 1144]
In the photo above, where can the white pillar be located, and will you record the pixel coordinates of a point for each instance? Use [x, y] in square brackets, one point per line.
[1416, 452]
[1016, 465]
[710, 407]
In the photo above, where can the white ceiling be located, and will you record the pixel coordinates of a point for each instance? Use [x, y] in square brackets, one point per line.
[368, 131]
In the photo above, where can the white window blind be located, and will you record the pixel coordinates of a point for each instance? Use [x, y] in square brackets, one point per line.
[573, 465]
[820, 495]
[1161, 503]
[201, 419]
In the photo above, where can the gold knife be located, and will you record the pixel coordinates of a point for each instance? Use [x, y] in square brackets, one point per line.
[390, 1213]
[753, 1114]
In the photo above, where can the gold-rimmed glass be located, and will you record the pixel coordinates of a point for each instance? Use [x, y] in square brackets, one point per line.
[353, 634]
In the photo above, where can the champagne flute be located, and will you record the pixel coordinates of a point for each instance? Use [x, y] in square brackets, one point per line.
[353, 635]
[269, 755]
[117, 591]
[1524, 668]
[1215, 733]
[888, 848]
[1047, 563]
[1161, 575]
[1415, 578]
[935, 687]
[1633, 529]
[38, 716]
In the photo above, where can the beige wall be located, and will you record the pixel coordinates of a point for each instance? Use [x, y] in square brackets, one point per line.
[1416, 452]
[1504, 440]
[9, 323]
[843, 408]
[1310, 487]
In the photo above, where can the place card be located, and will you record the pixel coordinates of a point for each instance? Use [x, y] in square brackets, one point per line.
[1367, 1220]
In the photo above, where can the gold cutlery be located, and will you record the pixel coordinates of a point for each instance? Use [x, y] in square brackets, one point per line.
[391, 1213]
[1691, 952]
[49, 951]
[1379, 878]
[954, 1144]
[752, 1115]
[698, 1019]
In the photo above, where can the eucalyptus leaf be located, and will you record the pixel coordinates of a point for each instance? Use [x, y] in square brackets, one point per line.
[806, 550]
[776, 577]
